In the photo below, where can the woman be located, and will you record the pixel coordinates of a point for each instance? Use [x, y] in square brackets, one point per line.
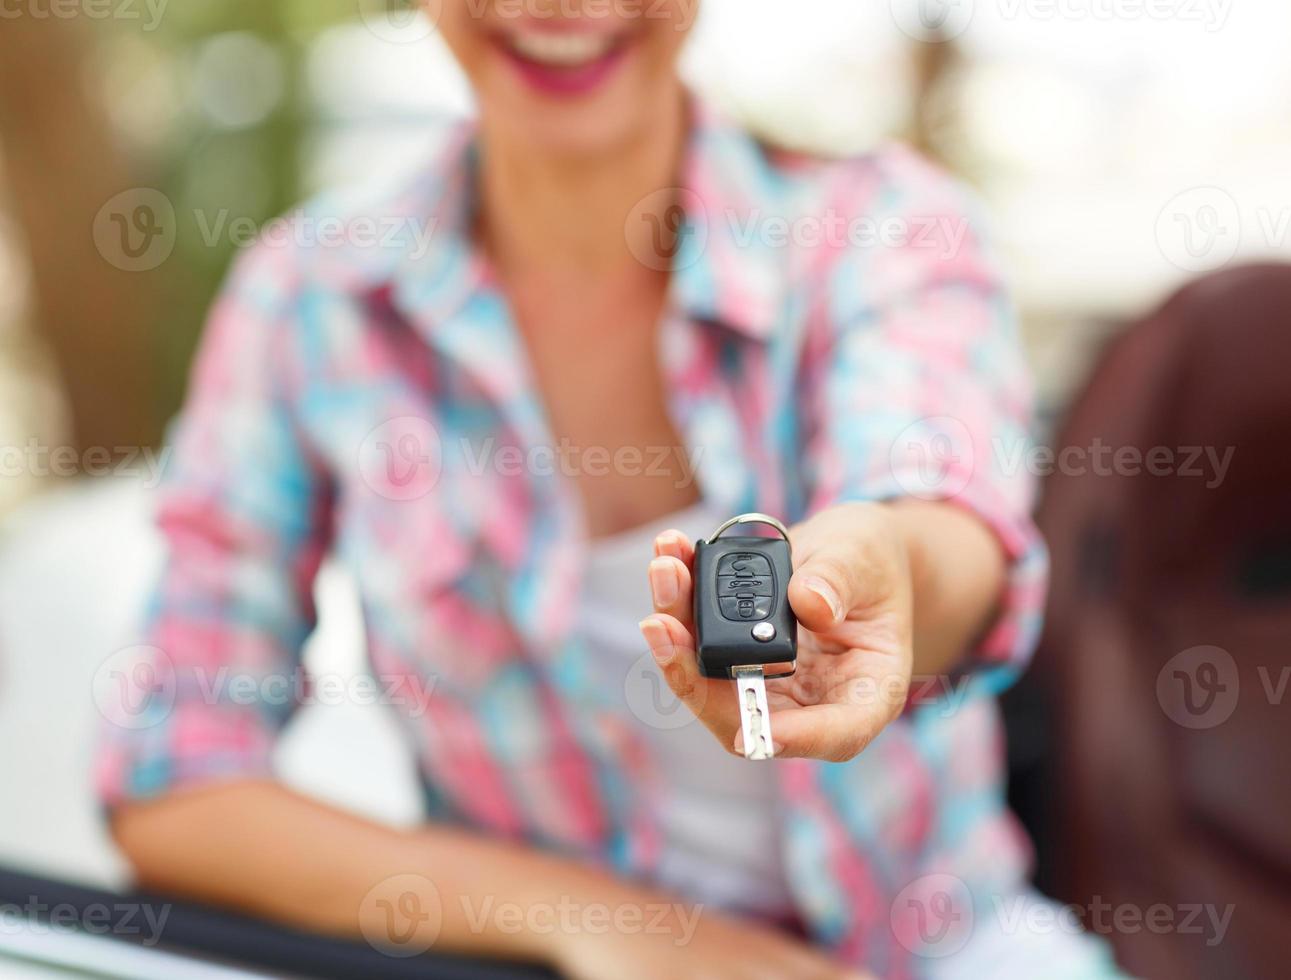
[607, 335]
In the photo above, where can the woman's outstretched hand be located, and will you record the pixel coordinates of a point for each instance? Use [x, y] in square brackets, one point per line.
[852, 591]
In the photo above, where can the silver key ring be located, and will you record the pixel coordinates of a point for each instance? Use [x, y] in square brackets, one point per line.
[751, 519]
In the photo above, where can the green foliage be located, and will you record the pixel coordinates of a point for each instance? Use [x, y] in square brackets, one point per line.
[216, 174]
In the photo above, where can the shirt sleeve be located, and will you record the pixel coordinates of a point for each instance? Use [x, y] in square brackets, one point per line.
[923, 389]
[243, 510]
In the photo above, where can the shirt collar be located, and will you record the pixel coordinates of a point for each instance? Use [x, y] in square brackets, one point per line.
[724, 272]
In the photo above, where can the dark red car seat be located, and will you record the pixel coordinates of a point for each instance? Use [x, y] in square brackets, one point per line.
[1167, 649]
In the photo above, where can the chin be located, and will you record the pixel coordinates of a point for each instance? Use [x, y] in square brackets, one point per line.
[572, 130]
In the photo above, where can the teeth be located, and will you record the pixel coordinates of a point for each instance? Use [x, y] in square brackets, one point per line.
[567, 50]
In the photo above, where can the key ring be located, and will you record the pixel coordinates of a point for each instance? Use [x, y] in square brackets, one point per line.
[753, 518]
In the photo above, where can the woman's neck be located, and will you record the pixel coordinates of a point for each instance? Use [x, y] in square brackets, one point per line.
[570, 213]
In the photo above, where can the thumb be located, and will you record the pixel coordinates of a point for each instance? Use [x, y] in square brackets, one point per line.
[824, 588]
[849, 559]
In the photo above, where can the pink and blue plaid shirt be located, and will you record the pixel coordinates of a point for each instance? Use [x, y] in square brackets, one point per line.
[835, 332]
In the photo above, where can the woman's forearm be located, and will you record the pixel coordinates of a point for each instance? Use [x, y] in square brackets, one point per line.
[958, 569]
[263, 849]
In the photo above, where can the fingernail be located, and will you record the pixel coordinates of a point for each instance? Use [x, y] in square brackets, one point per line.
[664, 541]
[826, 592]
[656, 638]
[663, 582]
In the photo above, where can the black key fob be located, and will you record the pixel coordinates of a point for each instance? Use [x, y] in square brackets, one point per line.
[742, 614]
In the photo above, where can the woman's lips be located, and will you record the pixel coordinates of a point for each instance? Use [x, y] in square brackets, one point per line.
[563, 62]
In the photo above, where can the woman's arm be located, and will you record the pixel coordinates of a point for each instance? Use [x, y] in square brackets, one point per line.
[259, 847]
[957, 573]
[916, 391]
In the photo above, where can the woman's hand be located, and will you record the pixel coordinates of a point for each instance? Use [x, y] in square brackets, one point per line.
[853, 593]
[718, 948]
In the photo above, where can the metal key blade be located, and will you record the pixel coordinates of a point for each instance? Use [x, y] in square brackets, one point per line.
[755, 716]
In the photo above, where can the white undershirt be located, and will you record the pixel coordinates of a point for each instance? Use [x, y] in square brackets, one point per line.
[718, 814]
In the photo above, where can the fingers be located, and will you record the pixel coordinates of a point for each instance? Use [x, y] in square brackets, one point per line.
[859, 694]
[828, 732]
[670, 580]
[711, 701]
[677, 545]
[670, 589]
[668, 634]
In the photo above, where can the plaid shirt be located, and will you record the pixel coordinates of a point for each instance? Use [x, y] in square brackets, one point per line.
[835, 332]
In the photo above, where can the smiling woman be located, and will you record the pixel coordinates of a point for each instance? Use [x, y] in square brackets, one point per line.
[583, 82]
[606, 274]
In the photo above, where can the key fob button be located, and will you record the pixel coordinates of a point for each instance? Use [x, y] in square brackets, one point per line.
[739, 585]
[744, 565]
[746, 609]
[743, 620]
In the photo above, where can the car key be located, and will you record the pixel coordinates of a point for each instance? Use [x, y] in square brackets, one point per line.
[743, 622]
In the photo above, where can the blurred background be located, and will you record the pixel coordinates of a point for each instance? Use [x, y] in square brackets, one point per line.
[1126, 150]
